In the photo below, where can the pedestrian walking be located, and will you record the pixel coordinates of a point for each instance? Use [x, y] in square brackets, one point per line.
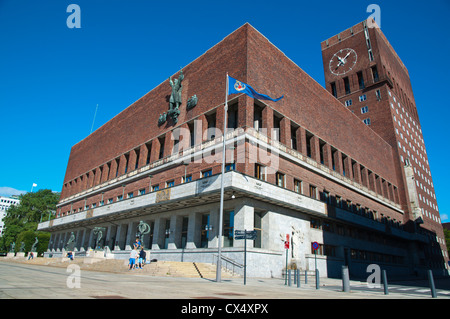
[133, 256]
[142, 256]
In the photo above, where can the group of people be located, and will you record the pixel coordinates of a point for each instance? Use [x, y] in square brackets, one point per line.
[137, 256]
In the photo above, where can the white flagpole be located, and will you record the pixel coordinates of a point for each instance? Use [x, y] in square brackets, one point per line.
[219, 254]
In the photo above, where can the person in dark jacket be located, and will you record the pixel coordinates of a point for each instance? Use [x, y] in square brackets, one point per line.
[142, 256]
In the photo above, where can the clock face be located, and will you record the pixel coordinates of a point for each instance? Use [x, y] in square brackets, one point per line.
[343, 61]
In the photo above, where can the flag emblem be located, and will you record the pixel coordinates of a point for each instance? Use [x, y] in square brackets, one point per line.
[235, 86]
[239, 86]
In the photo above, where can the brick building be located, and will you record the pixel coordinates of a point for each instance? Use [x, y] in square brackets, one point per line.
[305, 166]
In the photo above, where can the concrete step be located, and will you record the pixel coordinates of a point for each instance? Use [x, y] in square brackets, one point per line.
[182, 269]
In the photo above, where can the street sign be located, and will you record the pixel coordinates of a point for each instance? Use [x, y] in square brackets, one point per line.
[287, 241]
[315, 245]
[245, 234]
[241, 234]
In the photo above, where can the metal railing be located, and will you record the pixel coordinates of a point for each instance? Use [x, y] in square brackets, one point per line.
[228, 263]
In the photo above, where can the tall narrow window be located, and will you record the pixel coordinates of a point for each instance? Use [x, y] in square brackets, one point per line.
[375, 74]
[138, 153]
[347, 85]
[313, 191]
[276, 128]
[309, 137]
[167, 234]
[344, 159]
[280, 178]
[257, 117]
[161, 147]
[117, 167]
[149, 152]
[260, 172]
[360, 80]
[293, 137]
[211, 131]
[378, 95]
[258, 216]
[228, 228]
[333, 158]
[298, 186]
[191, 134]
[233, 117]
[333, 89]
[322, 157]
[204, 237]
[127, 158]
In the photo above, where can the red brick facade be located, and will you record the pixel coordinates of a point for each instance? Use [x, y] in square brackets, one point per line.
[392, 113]
[310, 120]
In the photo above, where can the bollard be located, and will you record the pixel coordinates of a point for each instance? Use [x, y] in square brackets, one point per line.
[431, 281]
[295, 276]
[385, 283]
[345, 279]
[306, 276]
[289, 277]
[317, 279]
[298, 278]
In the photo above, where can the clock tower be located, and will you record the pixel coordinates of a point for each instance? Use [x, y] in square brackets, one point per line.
[365, 74]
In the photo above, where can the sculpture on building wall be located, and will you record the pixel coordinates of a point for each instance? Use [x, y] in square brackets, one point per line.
[98, 231]
[174, 101]
[192, 102]
[71, 242]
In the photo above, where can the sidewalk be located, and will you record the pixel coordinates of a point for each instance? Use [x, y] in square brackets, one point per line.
[31, 280]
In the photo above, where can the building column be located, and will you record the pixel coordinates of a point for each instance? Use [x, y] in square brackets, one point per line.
[338, 162]
[301, 140]
[194, 230]
[348, 168]
[121, 236]
[91, 242]
[158, 234]
[315, 148]
[285, 132]
[327, 157]
[176, 222]
[243, 220]
[357, 172]
[77, 240]
[131, 235]
[83, 240]
[267, 119]
[51, 243]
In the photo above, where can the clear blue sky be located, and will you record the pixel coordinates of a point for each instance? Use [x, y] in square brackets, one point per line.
[52, 77]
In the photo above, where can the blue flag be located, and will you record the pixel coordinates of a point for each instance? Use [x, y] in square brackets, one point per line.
[235, 86]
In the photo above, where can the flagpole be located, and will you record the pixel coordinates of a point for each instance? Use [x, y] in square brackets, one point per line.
[219, 254]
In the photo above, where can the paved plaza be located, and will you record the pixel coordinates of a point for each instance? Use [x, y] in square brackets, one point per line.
[29, 281]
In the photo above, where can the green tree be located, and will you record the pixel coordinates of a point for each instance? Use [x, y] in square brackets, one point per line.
[23, 219]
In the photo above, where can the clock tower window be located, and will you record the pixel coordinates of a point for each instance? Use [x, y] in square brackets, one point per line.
[346, 85]
[333, 89]
[361, 80]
